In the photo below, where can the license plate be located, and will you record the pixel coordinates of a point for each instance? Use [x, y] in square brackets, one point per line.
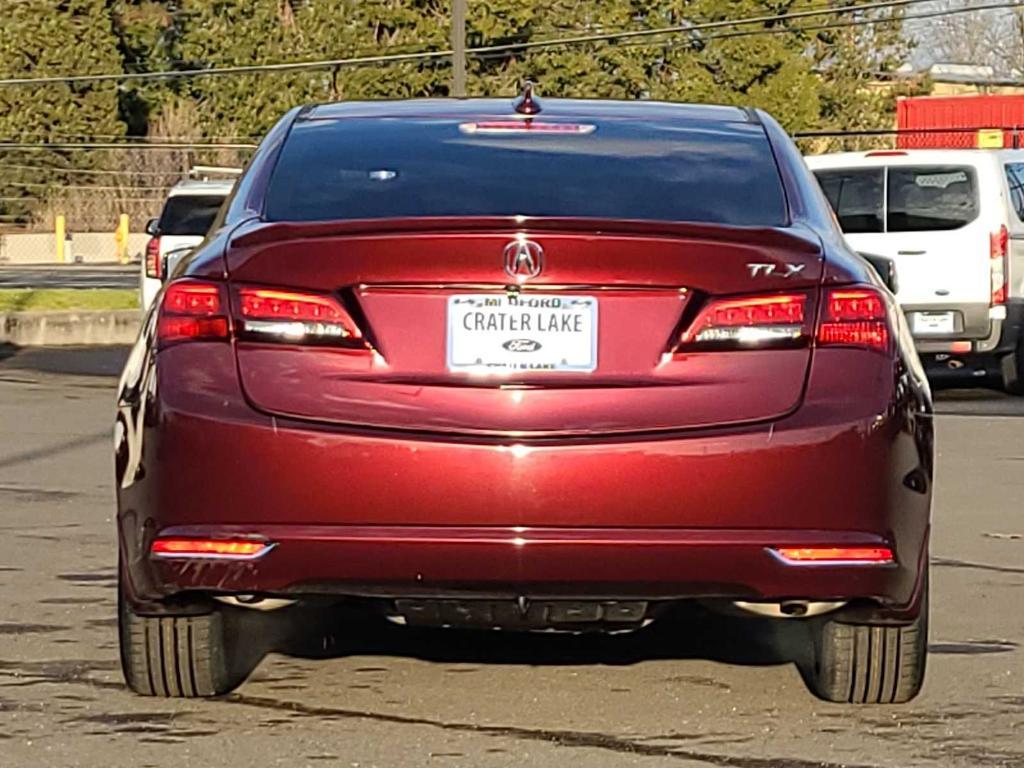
[490, 333]
[934, 323]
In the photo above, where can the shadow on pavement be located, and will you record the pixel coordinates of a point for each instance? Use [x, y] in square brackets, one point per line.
[689, 632]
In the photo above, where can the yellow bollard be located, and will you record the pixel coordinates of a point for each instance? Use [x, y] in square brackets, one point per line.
[59, 227]
[121, 238]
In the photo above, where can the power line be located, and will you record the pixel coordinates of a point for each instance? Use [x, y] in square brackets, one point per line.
[835, 25]
[439, 54]
[392, 58]
[710, 25]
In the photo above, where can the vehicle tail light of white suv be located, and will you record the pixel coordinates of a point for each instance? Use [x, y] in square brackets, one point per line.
[999, 249]
[153, 266]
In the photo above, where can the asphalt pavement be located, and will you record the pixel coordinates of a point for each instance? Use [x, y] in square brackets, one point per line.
[70, 276]
[694, 691]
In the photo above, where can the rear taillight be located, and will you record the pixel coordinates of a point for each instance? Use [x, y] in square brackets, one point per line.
[749, 321]
[191, 310]
[153, 266]
[999, 245]
[854, 317]
[295, 316]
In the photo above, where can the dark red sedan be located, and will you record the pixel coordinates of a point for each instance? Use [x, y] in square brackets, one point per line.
[508, 364]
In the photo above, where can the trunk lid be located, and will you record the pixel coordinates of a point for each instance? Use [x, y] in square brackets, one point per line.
[402, 283]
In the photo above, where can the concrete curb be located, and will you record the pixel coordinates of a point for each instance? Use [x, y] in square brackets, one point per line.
[34, 329]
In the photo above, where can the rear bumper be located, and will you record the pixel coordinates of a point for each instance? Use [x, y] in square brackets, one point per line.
[653, 564]
[995, 338]
[684, 515]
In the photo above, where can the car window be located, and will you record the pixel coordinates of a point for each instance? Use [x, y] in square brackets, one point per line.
[189, 214]
[684, 171]
[1015, 181]
[856, 196]
[929, 198]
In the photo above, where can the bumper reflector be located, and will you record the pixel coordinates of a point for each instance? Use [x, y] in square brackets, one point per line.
[838, 555]
[230, 549]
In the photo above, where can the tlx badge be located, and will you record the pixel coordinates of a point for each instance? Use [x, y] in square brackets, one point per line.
[777, 270]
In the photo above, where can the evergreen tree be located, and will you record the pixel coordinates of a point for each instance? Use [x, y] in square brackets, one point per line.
[147, 41]
[218, 33]
[808, 77]
[849, 60]
[771, 71]
[47, 37]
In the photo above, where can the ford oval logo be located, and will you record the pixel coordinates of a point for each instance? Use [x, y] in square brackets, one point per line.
[521, 345]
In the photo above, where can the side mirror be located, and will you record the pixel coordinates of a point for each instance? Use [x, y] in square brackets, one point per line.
[153, 227]
[886, 269]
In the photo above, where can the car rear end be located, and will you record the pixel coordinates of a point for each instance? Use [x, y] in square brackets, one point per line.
[560, 372]
[184, 221]
[942, 216]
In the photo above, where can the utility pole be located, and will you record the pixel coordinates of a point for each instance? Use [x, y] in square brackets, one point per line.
[459, 48]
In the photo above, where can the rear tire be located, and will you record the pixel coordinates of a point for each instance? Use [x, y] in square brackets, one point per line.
[1012, 368]
[867, 664]
[176, 656]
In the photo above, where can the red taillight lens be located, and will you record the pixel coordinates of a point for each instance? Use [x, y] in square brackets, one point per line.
[153, 265]
[749, 321]
[192, 298]
[879, 555]
[230, 549]
[854, 317]
[294, 316]
[999, 246]
[191, 310]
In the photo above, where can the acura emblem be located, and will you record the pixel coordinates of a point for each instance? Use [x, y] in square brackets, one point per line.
[523, 259]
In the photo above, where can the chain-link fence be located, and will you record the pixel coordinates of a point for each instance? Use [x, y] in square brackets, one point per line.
[90, 203]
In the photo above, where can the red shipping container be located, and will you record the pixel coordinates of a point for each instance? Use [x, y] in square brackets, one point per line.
[931, 114]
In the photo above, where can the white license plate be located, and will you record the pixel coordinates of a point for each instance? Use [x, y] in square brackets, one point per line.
[934, 323]
[499, 333]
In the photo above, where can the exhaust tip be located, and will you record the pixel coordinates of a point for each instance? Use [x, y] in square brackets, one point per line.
[793, 608]
[789, 609]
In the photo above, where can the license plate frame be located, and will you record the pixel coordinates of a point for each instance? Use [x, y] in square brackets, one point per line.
[940, 323]
[560, 336]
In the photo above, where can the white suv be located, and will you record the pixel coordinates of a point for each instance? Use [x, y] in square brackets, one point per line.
[952, 221]
[188, 212]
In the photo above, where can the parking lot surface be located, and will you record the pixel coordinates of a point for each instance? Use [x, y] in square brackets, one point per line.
[694, 690]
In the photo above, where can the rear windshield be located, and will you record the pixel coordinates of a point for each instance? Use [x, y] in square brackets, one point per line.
[901, 198]
[370, 169]
[936, 197]
[856, 196]
[189, 214]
